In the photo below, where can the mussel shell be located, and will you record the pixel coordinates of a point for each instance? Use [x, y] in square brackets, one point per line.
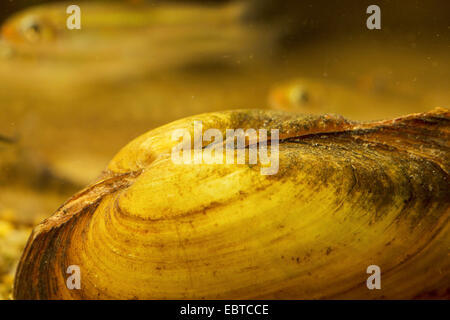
[347, 195]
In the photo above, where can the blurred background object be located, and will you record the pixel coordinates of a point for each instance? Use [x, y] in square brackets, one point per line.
[70, 99]
[303, 20]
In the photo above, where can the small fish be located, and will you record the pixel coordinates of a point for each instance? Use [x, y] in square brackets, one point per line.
[356, 100]
[150, 32]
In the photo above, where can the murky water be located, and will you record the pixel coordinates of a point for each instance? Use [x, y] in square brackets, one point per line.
[71, 106]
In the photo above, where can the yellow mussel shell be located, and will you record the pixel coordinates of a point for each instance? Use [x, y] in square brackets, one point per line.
[347, 195]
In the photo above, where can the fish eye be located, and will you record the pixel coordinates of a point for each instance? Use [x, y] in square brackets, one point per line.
[35, 27]
[304, 97]
[32, 30]
[299, 95]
